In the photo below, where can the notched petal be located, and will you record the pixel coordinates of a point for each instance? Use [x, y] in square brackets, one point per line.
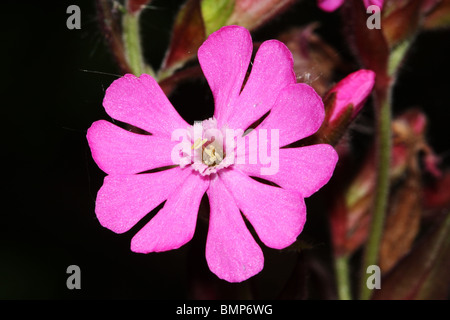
[231, 252]
[118, 151]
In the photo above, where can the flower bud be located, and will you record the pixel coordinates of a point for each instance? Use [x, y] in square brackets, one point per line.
[342, 104]
[353, 91]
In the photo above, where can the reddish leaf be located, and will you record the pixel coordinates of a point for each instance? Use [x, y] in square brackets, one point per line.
[402, 23]
[252, 14]
[402, 223]
[437, 195]
[187, 36]
[349, 228]
[350, 214]
[369, 45]
[424, 273]
[109, 19]
[135, 6]
[429, 5]
[406, 203]
[439, 16]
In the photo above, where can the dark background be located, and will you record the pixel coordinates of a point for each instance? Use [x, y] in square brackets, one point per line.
[52, 90]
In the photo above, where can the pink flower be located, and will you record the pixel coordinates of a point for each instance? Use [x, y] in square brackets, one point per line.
[353, 91]
[331, 5]
[277, 214]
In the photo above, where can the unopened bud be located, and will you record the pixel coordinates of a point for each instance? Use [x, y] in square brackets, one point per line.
[353, 90]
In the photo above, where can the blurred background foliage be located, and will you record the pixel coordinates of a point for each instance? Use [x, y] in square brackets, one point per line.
[53, 85]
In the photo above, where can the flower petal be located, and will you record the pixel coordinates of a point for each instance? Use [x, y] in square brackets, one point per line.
[378, 3]
[125, 199]
[305, 169]
[329, 5]
[272, 70]
[118, 151]
[277, 214]
[174, 225]
[139, 101]
[298, 113]
[231, 252]
[224, 58]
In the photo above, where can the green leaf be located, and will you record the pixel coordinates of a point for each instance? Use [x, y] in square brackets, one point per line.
[246, 13]
[397, 56]
[216, 13]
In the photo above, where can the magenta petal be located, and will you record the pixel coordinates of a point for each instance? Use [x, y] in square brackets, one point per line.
[353, 89]
[231, 252]
[329, 5]
[118, 151]
[139, 101]
[272, 70]
[224, 58]
[174, 225]
[277, 214]
[305, 169]
[378, 3]
[298, 113]
[125, 199]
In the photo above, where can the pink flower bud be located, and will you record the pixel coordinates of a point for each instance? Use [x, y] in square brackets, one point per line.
[378, 3]
[352, 90]
[331, 5]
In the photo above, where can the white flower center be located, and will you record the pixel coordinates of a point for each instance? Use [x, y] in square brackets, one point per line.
[207, 152]
[212, 152]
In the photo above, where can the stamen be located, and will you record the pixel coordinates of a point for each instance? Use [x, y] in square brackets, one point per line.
[197, 144]
[210, 152]
[210, 156]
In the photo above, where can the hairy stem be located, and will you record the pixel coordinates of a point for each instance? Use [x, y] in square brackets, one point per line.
[383, 99]
[342, 278]
[132, 44]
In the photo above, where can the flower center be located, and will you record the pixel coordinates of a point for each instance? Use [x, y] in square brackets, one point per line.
[207, 148]
[211, 152]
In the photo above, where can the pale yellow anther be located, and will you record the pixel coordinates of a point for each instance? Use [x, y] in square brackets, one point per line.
[197, 144]
[210, 150]
[210, 156]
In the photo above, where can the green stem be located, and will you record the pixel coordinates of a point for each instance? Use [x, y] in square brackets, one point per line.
[342, 278]
[132, 44]
[382, 187]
